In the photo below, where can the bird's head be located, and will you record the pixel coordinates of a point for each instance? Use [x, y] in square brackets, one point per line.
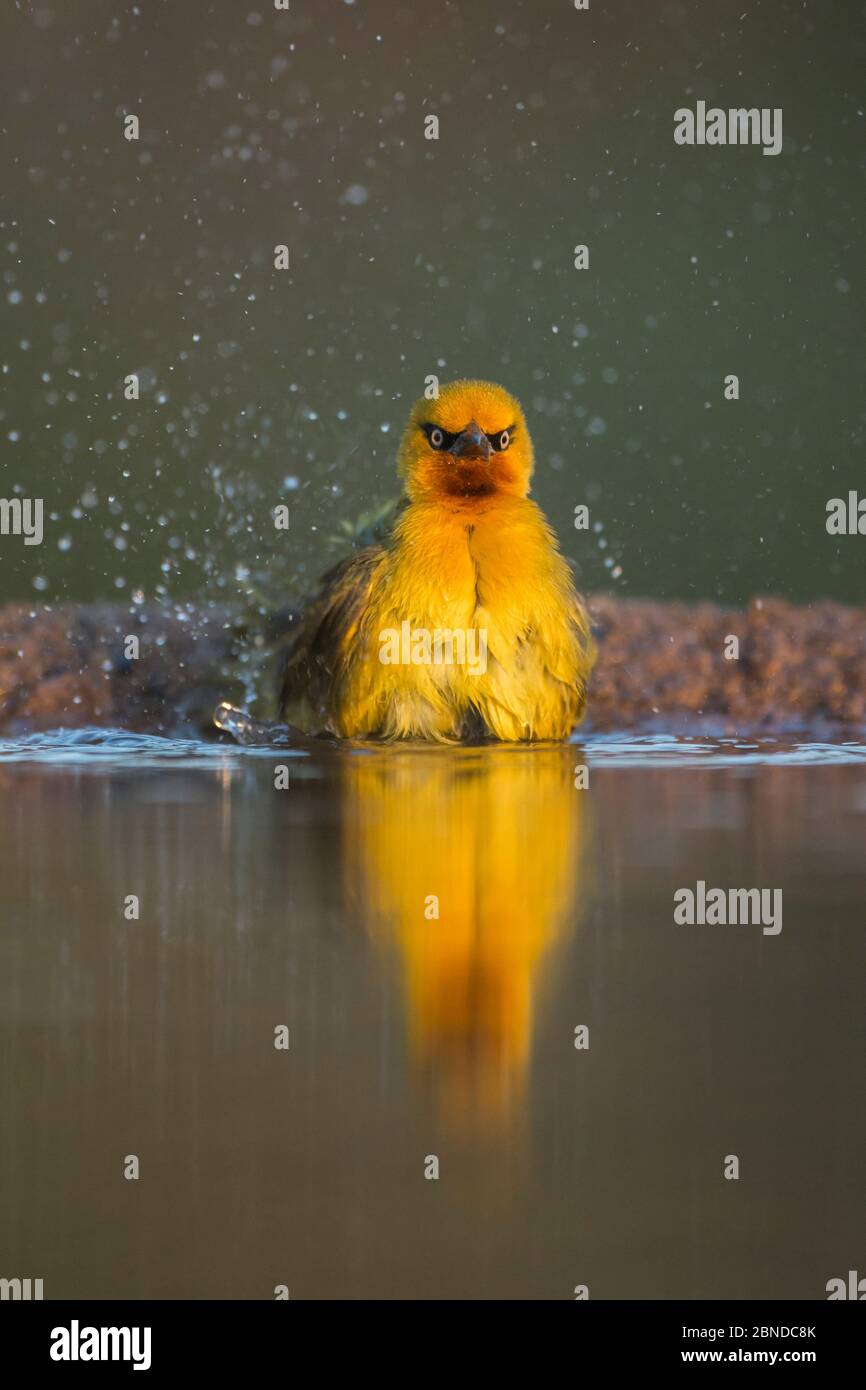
[471, 442]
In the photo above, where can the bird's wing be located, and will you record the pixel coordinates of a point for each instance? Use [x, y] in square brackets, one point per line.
[322, 643]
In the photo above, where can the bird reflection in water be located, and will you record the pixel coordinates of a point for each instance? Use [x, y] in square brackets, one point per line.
[493, 838]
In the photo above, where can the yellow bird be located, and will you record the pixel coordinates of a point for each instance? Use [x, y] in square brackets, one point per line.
[466, 622]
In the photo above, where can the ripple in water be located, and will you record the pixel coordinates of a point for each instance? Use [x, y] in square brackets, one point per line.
[100, 748]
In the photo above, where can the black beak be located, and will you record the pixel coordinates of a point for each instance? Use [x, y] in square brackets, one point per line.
[472, 443]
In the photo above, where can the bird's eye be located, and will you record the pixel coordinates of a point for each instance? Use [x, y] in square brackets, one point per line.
[437, 438]
[501, 441]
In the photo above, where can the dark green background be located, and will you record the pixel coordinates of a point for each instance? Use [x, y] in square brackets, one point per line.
[556, 127]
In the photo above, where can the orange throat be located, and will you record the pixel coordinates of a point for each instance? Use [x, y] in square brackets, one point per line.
[465, 480]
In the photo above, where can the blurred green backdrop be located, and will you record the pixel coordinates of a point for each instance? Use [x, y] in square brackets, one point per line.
[410, 257]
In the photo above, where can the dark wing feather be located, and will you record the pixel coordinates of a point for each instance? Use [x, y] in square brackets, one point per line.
[322, 641]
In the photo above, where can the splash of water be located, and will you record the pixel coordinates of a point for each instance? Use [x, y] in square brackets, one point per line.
[247, 731]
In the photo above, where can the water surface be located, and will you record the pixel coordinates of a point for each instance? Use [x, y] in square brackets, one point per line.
[413, 1036]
